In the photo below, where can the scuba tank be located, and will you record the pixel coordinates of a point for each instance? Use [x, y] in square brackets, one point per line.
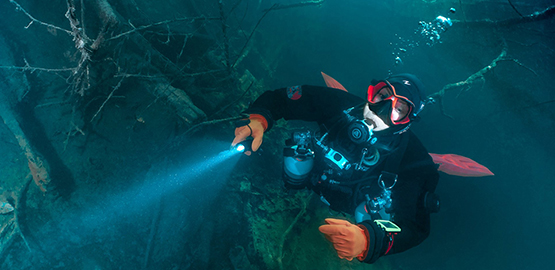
[298, 160]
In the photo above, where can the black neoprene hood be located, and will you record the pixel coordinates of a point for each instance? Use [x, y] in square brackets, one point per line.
[411, 87]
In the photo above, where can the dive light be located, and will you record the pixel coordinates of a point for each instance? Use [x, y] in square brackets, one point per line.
[243, 146]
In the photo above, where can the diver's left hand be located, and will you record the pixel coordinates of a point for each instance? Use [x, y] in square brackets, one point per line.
[348, 239]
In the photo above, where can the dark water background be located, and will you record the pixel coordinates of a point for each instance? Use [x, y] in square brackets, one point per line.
[505, 122]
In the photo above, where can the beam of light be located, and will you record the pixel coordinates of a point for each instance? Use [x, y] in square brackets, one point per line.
[198, 175]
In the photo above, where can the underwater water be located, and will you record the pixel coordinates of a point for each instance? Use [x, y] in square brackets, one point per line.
[117, 120]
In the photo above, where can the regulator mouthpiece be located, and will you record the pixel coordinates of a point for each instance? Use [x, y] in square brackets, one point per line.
[360, 132]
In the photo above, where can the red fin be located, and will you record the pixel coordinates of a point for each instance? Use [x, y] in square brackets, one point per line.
[459, 165]
[332, 83]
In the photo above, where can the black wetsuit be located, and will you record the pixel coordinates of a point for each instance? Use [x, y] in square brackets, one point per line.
[417, 174]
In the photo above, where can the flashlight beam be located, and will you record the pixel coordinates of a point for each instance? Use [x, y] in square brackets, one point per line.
[163, 179]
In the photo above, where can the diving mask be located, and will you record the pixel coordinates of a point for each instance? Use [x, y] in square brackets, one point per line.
[384, 101]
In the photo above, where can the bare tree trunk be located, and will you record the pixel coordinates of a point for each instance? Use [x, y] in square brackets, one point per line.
[12, 89]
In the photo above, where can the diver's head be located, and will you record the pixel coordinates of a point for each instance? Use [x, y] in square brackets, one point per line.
[394, 103]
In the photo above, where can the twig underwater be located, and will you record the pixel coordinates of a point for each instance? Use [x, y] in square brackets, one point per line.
[545, 14]
[136, 29]
[296, 5]
[473, 78]
[514, 8]
[302, 211]
[18, 7]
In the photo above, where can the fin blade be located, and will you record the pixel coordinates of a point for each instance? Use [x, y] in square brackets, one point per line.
[332, 83]
[461, 166]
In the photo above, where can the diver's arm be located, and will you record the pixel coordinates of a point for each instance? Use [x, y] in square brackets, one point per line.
[412, 218]
[308, 103]
[381, 243]
[377, 241]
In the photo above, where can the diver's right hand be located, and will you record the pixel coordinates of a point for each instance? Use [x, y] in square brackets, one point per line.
[255, 129]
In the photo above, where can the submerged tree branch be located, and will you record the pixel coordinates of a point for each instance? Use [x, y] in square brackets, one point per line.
[107, 99]
[266, 11]
[239, 57]
[20, 209]
[7, 235]
[471, 79]
[223, 17]
[18, 7]
[300, 4]
[545, 14]
[478, 76]
[514, 8]
[79, 78]
[135, 29]
[293, 223]
[28, 67]
[193, 128]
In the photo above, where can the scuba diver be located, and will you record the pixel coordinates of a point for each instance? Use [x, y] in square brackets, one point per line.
[364, 161]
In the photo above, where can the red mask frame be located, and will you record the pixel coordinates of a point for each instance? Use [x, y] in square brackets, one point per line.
[373, 90]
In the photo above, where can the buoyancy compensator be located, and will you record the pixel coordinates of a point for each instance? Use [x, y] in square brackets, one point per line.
[345, 147]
